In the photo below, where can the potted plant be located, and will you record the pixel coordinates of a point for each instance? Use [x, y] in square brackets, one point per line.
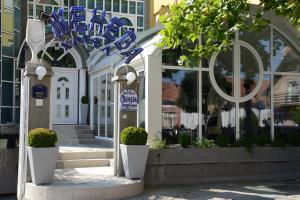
[95, 110]
[42, 153]
[134, 152]
[84, 109]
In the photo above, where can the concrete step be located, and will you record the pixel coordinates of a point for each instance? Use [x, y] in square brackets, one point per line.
[62, 164]
[83, 131]
[68, 142]
[82, 127]
[87, 141]
[86, 155]
[85, 136]
[85, 184]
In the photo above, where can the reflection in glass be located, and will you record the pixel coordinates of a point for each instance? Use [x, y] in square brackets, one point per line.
[67, 93]
[223, 72]
[58, 93]
[218, 115]
[261, 42]
[286, 105]
[67, 110]
[179, 104]
[255, 114]
[249, 72]
[285, 57]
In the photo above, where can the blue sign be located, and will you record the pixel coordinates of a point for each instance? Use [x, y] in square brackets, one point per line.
[39, 91]
[129, 100]
[94, 34]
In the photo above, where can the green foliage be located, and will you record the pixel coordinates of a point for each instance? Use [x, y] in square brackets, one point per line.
[205, 143]
[294, 139]
[261, 140]
[95, 100]
[246, 142]
[85, 100]
[216, 21]
[223, 141]
[42, 138]
[134, 136]
[184, 139]
[289, 9]
[278, 142]
[296, 115]
[159, 144]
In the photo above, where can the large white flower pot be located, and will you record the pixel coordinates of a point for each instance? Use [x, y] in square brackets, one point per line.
[84, 113]
[134, 160]
[42, 163]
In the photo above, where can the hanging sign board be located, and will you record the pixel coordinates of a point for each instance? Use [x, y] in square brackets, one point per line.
[128, 100]
[39, 91]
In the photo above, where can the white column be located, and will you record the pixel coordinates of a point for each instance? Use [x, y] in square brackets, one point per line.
[153, 95]
[82, 88]
[92, 105]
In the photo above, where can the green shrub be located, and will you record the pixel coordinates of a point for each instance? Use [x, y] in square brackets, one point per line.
[294, 139]
[159, 144]
[205, 143]
[184, 139]
[85, 100]
[42, 138]
[278, 142]
[246, 142]
[261, 140]
[134, 136]
[223, 141]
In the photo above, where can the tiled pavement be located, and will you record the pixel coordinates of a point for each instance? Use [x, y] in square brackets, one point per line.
[273, 190]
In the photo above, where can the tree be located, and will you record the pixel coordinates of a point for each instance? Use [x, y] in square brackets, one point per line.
[216, 21]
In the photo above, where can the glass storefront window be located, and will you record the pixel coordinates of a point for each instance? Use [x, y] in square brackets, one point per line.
[140, 21]
[286, 91]
[140, 8]
[218, 115]
[7, 94]
[249, 72]
[99, 4]
[91, 4]
[261, 42]
[285, 57]
[7, 69]
[6, 115]
[124, 6]
[132, 6]
[116, 5]
[7, 44]
[179, 104]
[108, 5]
[255, 114]
[223, 72]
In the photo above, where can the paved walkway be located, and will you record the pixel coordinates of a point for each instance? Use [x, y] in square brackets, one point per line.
[278, 190]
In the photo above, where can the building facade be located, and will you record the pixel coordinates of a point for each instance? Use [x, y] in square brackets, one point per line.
[251, 90]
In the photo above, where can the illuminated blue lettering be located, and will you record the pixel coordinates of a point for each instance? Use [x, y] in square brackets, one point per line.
[126, 40]
[112, 30]
[97, 19]
[131, 54]
[77, 17]
[59, 25]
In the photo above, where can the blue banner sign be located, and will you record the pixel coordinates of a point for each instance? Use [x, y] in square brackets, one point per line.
[39, 91]
[93, 33]
[129, 100]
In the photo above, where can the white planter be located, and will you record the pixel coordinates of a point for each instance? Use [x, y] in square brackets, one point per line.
[42, 163]
[84, 113]
[134, 160]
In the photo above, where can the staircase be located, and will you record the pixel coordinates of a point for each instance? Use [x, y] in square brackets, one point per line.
[82, 156]
[78, 148]
[74, 134]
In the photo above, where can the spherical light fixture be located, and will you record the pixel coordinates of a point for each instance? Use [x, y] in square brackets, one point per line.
[40, 72]
[130, 76]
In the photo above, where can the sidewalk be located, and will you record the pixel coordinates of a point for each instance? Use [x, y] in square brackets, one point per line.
[277, 190]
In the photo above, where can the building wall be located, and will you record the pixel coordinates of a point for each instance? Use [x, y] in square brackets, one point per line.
[10, 76]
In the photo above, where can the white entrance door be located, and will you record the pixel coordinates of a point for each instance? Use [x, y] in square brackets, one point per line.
[64, 96]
